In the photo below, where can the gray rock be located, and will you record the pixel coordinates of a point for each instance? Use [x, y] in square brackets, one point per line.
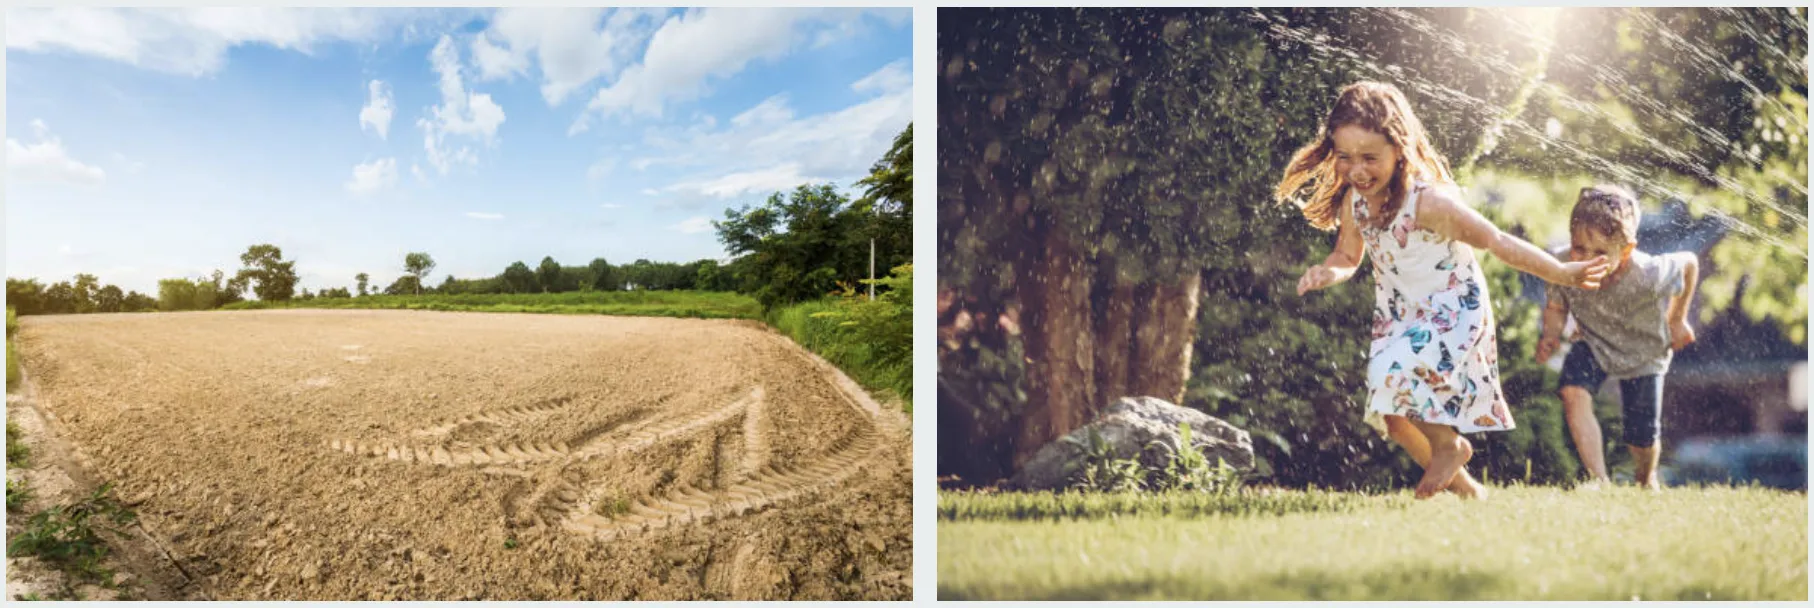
[1130, 425]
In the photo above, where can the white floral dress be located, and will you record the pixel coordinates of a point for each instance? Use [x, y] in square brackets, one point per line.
[1434, 357]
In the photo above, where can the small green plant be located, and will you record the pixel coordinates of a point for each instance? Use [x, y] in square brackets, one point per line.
[510, 542]
[613, 507]
[1187, 469]
[29, 597]
[68, 537]
[12, 366]
[1102, 471]
[17, 453]
[17, 494]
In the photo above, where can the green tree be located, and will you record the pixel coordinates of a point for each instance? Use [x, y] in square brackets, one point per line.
[604, 277]
[518, 278]
[419, 264]
[887, 204]
[83, 292]
[109, 299]
[138, 302]
[363, 279]
[548, 275]
[60, 298]
[25, 296]
[404, 285]
[800, 246]
[272, 278]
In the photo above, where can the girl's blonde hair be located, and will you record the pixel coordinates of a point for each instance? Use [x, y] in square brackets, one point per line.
[1377, 107]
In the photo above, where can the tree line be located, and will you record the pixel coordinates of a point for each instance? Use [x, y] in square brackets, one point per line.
[801, 246]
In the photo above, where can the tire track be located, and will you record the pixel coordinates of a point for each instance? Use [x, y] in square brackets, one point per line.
[509, 415]
[639, 438]
[690, 505]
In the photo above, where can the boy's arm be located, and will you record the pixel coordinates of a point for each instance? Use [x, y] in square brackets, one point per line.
[1680, 333]
[1555, 315]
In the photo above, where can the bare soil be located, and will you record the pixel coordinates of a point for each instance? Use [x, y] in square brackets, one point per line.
[314, 454]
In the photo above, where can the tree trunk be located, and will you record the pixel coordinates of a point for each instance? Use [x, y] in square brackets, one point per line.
[1060, 346]
[1130, 340]
[1164, 336]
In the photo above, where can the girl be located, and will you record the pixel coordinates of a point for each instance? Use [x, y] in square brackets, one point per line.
[1433, 368]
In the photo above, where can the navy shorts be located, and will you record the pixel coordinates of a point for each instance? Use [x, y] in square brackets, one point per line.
[1642, 396]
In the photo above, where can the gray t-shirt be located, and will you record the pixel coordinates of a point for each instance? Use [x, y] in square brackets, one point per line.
[1626, 321]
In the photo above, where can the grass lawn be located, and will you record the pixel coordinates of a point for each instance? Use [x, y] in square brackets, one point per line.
[1524, 543]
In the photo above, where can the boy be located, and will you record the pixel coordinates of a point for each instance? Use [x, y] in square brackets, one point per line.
[1631, 327]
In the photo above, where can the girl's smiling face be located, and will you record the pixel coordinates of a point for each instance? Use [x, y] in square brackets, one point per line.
[1365, 159]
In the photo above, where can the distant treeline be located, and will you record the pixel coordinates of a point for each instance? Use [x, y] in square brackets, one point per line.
[796, 247]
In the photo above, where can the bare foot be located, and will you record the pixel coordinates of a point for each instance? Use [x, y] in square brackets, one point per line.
[1446, 459]
[1466, 488]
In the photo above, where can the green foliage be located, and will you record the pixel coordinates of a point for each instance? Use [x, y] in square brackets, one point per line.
[1185, 469]
[364, 280]
[518, 278]
[272, 278]
[872, 341]
[109, 299]
[198, 294]
[604, 277]
[799, 245]
[1188, 470]
[18, 493]
[83, 292]
[803, 245]
[408, 284]
[548, 275]
[68, 537]
[12, 373]
[18, 455]
[418, 264]
[25, 295]
[1102, 470]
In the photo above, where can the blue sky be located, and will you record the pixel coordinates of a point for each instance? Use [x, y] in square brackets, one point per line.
[149, 144]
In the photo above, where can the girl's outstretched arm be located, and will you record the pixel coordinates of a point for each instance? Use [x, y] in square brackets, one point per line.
[1439, 212]
[1342, 262]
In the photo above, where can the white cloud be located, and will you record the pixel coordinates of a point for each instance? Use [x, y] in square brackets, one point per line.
[484, 216]
[461, 112]
[378, 109]
[708, 43]
[195, 41]
[891, 78]
[770, 148]
[373, 176]
[416, 170]
[611, 206]
[603, 168]
[567, 43]
[771, 111]
[693, 225]
[772, 179]
[46, 160]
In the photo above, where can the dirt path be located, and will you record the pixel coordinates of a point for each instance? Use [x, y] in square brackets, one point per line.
[388, 454]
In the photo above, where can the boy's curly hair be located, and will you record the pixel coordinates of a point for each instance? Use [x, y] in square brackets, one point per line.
[1609, 210]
